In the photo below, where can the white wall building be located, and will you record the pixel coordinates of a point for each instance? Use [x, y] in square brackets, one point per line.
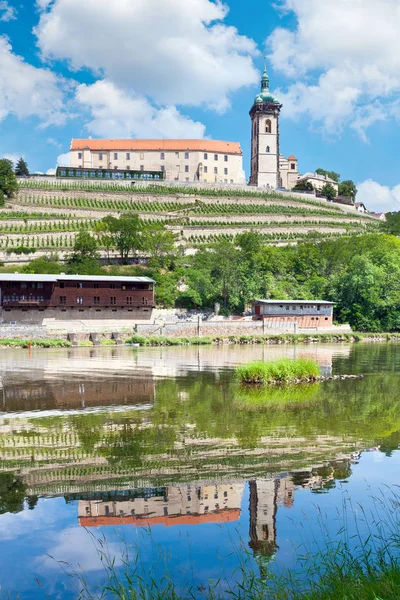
[318, 181]
[208, 161]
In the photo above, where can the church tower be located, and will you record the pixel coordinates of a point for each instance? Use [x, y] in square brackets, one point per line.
[265, 137]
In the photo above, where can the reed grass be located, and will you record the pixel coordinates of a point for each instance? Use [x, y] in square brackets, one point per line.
[279, 371]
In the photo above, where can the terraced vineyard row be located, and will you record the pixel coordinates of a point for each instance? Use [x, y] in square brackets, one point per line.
[175, 207]
[165, 190]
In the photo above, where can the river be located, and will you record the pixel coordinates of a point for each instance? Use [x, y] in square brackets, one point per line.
[159, 453]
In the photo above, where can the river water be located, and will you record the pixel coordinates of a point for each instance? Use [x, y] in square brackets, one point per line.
[159, 453]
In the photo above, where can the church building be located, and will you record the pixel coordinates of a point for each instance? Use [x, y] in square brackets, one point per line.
[268, 167]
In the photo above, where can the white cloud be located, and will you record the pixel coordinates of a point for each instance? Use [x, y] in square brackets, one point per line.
[344, 56]
[54, 142]
[26, 91]
[177, 52]
[7, 12]
[377, 197]
[116, 114]
[64, 160]
[13, 157]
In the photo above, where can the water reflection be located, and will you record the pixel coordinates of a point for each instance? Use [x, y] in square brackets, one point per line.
[165, 438]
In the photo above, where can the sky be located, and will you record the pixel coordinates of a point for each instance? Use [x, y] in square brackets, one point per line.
[191, 69]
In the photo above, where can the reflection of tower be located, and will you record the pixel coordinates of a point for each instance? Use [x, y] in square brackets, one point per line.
[265, 496]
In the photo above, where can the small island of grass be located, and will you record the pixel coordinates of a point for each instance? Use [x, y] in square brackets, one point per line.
[282, 371]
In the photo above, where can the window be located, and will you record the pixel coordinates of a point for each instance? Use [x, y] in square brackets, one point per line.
[40, 285]
[215, 170]
[95, 286]
[79, 155]
[144, 300]
[215, 156]
[79, 285]
[186, 155]
[186, 168]
[142, 167]
[113, 300]
[112, 286]
[129, 300]
[162, 156]
[267, 149]
[100, 156]
[79, 300]
[63, 299]
[225, 171]
[142, 156]
[162, 168]
[205, 170]
[287, 308]
[115, 155]
[205, 156]
[96, 299]
[128, 167]
[226, 158]
[24, 285]
[128, 156]
[292, 166]
[268, 126]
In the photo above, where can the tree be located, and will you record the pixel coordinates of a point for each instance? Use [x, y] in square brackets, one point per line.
[45, 264]
[348, 188]
[21, 168]
[332, 174]
[159, 243]
[328, 192]
[126, 233]
[12, 493]
[84, 259]
[8, 181]
[303, 186]
[392, 223]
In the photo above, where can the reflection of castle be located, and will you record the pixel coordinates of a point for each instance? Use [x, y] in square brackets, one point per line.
[265, 497]
[183, 505]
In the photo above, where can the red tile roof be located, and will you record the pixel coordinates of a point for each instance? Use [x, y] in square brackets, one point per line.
[226, 515]
[163, 145]
[292, 157]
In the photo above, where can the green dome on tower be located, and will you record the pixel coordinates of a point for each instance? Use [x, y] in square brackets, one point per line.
[265, 95]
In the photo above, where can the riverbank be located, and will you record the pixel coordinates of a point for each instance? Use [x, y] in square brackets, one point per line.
[158, 341]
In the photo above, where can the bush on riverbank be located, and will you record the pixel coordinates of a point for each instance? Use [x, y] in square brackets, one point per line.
[42, 343]
[280, 371]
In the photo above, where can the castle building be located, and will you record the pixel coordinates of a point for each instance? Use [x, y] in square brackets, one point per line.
[208, 161]
[268, 167]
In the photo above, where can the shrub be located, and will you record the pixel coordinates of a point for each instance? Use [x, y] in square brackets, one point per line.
[279, 371]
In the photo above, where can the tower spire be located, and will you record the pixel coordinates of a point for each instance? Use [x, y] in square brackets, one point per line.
[265, 78]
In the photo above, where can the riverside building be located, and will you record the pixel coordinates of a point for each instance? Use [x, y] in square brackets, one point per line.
[32, 298]
[305, 313]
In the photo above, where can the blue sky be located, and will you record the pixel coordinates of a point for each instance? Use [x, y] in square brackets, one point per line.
[191, 68]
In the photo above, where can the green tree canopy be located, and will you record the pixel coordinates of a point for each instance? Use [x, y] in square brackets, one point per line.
[84, 259]
[8, 181]
[392, 223]
[21, 168]
[126, 233]
[303, 186]
[348, 188]
[332, 174]
[328, 192]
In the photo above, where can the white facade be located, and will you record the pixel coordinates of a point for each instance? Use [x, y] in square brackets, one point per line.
[318, 181]
[181, 160]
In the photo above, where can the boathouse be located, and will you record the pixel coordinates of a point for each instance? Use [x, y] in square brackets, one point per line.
[31, 298]
[306, 313]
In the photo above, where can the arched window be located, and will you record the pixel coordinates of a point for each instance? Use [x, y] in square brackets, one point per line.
[268, 126]
[267, 149]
